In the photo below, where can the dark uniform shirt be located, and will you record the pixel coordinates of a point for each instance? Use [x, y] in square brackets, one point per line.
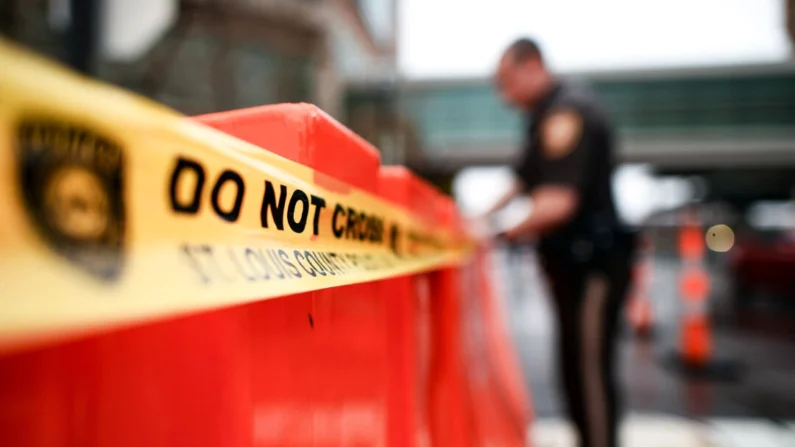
[569, 142]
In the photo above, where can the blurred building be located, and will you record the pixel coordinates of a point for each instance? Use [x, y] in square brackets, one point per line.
[791, 20]
[201, 56]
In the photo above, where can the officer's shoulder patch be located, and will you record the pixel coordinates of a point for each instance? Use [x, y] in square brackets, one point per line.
[560, 132]
[72, 184]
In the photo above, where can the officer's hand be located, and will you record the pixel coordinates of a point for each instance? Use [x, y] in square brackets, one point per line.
[479, 230]
[514, 235]
[507, 236]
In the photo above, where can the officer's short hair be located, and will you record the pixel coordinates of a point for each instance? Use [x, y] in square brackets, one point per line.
[523, 49]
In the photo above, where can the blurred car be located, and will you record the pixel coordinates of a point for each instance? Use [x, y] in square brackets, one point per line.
[763, 265]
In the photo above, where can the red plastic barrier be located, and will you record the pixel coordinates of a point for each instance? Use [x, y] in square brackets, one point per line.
[413, 360]
[500, 412]
[508, 385]
[410, 326]
[347, 385]
[453, 400]
[181, 382]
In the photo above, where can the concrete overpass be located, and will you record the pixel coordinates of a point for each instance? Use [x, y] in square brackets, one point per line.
[723, 117]
[734, 126]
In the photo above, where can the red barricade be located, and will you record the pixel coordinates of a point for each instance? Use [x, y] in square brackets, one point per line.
[507, 385]
[415, 360]
[346, 328]
[500, 412]
[410, 326]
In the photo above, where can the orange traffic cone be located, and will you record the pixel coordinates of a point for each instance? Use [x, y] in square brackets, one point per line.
[694, 355]
[640, 313]
[641, 316]
[695, 342]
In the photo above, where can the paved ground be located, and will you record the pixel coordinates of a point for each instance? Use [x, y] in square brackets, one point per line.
[761, 341]
[659, 430]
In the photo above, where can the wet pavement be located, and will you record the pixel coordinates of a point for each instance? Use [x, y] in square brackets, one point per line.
[761, 341]
[659, 430]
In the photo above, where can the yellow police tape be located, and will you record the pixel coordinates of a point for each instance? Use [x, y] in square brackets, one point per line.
[116, 209]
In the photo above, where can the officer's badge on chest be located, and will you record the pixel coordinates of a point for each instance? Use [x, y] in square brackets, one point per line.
[560, 132]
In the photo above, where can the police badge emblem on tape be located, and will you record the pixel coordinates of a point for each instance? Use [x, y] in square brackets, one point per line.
[105, 188]
[71, 180]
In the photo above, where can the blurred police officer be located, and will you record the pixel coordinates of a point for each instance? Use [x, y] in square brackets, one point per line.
[566, 169]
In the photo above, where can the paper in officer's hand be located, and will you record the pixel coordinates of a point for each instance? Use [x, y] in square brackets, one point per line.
[514, 214]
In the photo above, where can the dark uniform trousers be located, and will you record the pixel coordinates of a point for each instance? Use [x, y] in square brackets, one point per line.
[588, 300]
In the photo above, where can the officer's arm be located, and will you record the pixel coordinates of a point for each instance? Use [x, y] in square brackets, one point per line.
[553, 206]
[565, 157]
[513, 191]
[519, 185]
